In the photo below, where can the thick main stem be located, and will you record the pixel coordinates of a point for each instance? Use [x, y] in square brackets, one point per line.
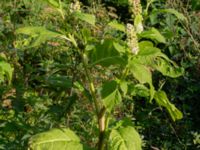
[100, 112]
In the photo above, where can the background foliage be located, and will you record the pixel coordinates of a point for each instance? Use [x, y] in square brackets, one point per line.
[43, 83]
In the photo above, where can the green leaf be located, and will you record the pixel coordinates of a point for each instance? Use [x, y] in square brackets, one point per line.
[124, 138]
[142, 73]
[57, 5]
[139, 90]
[110, 95]
[63, 82]
[54, 3]
[105, 54]
[119, 47]
[162, 100]
[85, 17]
[124, 87]
[147, 49]
[154, 58]
[174, 12]
[62, 139]
[153, 34]
[40, 34]
[5, 71]
[167, 67]
[114, 24]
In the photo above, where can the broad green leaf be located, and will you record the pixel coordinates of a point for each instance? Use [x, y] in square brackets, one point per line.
[85, 17]
[124, 138]
[114, 24]
[5, 71]
[153, 34]
[162, 100]
[55, 139]
[110, 95]
[147, 49]
[174, 12]
[167, 68]
[154, 58]
[142, 73]
[40, 34]
[59, 81]
[105, 54]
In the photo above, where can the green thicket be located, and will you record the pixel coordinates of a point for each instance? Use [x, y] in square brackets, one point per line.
[99, 74]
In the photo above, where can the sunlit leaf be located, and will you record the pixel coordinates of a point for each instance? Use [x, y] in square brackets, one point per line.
[147, 49]
[85, 17]
[115, 25]
[62, 139]
[124, 138]
[153, 34]
[142, 73]
[5, 71]
[119, 47]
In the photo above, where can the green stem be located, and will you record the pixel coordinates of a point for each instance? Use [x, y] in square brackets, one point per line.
[100, 112]
[91, 85]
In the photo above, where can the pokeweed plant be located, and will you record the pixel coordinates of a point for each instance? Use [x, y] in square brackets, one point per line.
[133, 62]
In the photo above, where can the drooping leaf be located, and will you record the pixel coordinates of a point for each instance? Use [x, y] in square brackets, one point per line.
[153, 34]
[110, 95]
[162, 100]
[40, 34]
[167, 68]
[114, 24]
[105, 54]
[154, 58]
[85, 17]
[62, 139]
[124, 138]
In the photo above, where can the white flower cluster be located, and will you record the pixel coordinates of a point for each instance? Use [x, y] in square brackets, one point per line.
[75, 6]
[132, 39]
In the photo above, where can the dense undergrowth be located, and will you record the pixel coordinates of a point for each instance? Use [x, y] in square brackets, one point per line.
[100, 72]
